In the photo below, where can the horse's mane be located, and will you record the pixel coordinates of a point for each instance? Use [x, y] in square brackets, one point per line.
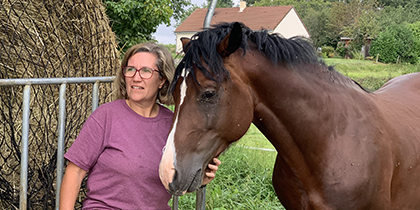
[203, 46]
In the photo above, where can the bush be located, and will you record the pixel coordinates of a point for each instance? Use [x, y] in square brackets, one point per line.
[341, 49]
[396, 42]
[415, 29]
[356, 55]
[327, 51]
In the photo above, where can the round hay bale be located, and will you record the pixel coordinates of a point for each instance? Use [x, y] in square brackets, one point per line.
[48, 39]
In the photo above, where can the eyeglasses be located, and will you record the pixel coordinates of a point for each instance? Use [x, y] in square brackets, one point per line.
[145, 72]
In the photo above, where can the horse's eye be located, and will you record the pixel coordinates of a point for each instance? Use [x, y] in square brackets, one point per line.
[208, 95]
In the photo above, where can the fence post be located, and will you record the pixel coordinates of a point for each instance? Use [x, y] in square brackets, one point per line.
[174, 202]
[24, 148]
[200, 199]
[95, 96]
[61, 141]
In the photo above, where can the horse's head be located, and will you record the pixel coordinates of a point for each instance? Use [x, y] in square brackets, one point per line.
[213, 108]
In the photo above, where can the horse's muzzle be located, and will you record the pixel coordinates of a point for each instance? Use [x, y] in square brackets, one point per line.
[179, 187]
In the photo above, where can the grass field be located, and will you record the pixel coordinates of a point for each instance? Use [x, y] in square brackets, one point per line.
[368, 73]
[244, 178]
[243, 182]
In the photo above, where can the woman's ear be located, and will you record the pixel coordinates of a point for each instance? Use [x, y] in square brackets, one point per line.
[162, 83]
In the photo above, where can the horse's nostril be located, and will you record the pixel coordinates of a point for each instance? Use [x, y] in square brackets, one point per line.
[175, 175]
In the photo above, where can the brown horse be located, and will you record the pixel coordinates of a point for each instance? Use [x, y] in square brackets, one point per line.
[339, 146]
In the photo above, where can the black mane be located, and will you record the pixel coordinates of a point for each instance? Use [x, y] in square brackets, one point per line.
[203, 46]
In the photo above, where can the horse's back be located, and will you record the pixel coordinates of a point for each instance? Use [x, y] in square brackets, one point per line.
[405, 86]
[401, 97]
[399, 102]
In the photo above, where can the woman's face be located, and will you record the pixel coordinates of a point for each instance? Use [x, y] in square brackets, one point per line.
[143, 90]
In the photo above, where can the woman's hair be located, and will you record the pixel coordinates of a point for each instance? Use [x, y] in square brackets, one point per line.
[165, 64]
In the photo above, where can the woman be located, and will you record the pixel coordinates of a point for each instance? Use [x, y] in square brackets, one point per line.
[121, 142]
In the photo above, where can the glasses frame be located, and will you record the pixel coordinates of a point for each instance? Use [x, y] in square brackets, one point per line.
[138, 70]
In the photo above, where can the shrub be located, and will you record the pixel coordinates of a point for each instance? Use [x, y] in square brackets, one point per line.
[327, 51]
[415, 29]
[341, 49]
[356, 54]
[396, 42]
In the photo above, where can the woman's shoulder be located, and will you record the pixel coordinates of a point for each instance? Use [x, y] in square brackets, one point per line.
[111, 105]
[165, 111]
[109, 108]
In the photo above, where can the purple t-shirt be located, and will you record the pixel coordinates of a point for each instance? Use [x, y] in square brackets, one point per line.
[122, 150]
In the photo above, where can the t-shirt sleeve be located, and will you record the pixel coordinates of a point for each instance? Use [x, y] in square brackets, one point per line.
[87, 147]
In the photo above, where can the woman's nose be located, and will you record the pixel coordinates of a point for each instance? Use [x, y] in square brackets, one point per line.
[137, 76]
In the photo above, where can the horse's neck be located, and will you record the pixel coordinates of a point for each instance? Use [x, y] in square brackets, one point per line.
[301, 105]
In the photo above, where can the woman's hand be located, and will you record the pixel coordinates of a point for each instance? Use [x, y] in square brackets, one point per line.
[210, 172]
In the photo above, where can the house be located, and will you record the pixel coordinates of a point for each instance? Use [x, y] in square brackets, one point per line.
[276, 19]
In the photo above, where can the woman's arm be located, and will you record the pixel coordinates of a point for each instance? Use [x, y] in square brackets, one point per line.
[70, 186]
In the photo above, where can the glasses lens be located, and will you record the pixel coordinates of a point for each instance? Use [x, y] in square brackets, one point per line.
[129, 71]
[146, 73]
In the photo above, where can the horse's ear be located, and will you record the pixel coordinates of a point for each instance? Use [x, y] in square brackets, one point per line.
[231, 42]
[184, 41]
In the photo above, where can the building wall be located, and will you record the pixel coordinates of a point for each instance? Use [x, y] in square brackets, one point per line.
[291, 26]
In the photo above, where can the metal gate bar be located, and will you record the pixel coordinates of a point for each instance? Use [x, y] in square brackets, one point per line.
[61, 141]
[25, 149]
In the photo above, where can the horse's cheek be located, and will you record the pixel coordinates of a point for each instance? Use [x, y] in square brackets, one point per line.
[240, 115]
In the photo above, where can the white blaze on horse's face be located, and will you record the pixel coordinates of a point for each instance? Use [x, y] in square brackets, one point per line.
[168, 162]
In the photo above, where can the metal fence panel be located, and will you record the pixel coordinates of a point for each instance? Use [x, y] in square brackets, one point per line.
[27, 83]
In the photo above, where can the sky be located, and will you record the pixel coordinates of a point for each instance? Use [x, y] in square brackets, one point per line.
[166, 35]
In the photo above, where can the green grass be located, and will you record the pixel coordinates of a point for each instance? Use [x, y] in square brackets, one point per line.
[254, 138]
[243, 181]
[171, 49]
[368, 73]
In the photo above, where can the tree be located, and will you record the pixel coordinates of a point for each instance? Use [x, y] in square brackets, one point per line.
[415, 29]
[397, 3]
[179, 7]
[134, 21]
[394, 44]
[302, 7]
[222, 3]
[315, 14]
[319, 27]
[250, 3]
[356, 19]
[400, 15]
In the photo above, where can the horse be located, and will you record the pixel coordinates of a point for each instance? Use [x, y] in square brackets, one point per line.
[339, 146]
